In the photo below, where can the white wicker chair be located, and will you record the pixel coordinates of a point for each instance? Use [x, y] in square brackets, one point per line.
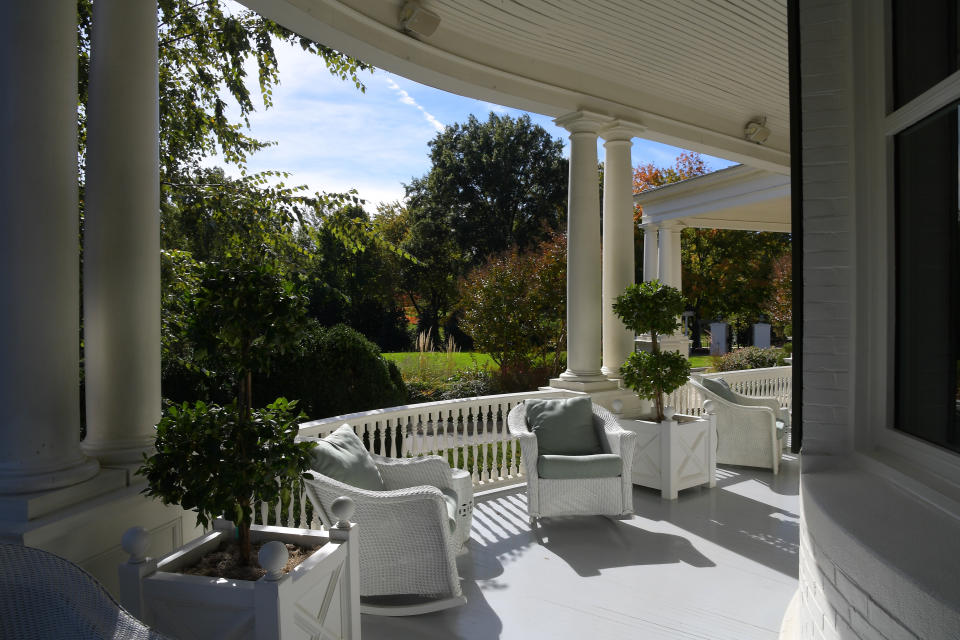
[406, 546]
[747, 433]
[577, 496]
[44, 596]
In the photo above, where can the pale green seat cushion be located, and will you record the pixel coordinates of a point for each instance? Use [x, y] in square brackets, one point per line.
[342, 456]
[452, 501]
[602, 465]
[563, 426]
[719, 387]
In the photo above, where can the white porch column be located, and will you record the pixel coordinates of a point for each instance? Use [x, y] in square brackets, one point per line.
[669, 270]
[583, 254]
[39, 325]
[618, 272]
[121, 275]
[651, 252]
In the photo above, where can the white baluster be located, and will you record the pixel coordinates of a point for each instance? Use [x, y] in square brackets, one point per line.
[264, 510]
[303, 506]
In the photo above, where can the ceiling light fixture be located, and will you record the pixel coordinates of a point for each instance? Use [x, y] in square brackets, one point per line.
[756, 130]
[414, 19]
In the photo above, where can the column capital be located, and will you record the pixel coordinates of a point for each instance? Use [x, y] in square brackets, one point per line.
[583, 122]
[649, 225]
[621, 131]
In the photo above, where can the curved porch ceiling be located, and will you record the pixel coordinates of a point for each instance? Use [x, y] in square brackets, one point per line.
[691, 73]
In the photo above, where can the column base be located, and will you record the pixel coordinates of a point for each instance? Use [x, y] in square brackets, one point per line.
[586, 385]
[119, 452]
[19, 481]
[24, 507]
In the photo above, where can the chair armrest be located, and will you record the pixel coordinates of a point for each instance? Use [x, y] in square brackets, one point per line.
[774, 404]
[323, 490]
[517, 425]
[612, 434]
[400, 473]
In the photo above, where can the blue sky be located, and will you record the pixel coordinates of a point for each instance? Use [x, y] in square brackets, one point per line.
[333, 138]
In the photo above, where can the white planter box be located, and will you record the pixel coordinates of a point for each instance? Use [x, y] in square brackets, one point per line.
[320, 598]
[674, 454]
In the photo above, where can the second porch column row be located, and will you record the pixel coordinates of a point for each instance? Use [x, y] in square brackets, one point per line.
[651, 252]
[583, 250]
[669, 269]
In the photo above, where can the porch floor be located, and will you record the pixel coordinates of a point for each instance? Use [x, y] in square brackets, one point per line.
[713, 565]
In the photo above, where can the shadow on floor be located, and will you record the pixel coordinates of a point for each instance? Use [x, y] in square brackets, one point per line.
[592, 543]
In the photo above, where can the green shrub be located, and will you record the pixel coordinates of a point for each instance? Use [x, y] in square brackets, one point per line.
[334, 371]
[749, 358]
[469, 383]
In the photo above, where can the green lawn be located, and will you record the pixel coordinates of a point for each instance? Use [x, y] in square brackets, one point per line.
[701, 361]
[411, 360]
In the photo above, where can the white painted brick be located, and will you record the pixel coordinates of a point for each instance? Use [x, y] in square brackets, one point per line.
[852, 592]
[862, 628]
[886, 624]
[834, 209]
[817, 259]
[826, 277]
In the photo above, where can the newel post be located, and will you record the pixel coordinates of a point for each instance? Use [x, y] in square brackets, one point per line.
[136, 542]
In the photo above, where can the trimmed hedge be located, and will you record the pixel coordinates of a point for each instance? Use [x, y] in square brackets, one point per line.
[749, 358]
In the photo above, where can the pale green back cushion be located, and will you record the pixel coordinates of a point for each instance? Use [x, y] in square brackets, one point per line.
[719, 387]
[563, 426]
[342, 456]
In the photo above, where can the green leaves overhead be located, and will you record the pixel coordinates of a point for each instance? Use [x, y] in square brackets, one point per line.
[203, 53]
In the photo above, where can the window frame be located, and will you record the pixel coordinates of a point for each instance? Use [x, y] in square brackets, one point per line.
[926, 468]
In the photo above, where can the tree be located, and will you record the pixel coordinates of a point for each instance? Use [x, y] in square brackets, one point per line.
[514, 306]
[495, 184]
[779, 306]
[652, 307]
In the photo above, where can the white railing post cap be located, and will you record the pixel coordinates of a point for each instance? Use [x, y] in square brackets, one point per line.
[343, 509]
[273, 557]
[136, 541]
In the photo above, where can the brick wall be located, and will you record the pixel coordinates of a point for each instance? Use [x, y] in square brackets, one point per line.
[827, 224]
[833, 606]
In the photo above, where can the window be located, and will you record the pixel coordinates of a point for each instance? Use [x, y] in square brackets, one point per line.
[927, 231]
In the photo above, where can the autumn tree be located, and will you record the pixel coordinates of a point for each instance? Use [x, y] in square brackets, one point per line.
[514, 306]
[779, 306]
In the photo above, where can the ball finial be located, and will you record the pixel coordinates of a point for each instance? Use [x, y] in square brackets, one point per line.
[273, 557]
[136, 541]
[617, 406]
[343, 509]
[669, 412]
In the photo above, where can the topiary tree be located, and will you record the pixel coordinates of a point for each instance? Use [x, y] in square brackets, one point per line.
[652, 307]
[216, 459]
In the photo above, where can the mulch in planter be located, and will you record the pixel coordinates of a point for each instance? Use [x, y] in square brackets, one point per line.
[225, 561]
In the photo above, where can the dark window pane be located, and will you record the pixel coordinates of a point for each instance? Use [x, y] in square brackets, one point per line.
[928, 279]
[925, 49]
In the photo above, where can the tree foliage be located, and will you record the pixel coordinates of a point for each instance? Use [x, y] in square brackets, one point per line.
[497, 184]
[652, 307]
[514, 306]
[203, 51]
[210, 461]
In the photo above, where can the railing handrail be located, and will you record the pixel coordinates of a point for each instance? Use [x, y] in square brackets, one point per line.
[314, 428]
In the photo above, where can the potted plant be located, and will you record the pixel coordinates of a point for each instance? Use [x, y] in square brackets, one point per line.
[673, 452]
[223, 461]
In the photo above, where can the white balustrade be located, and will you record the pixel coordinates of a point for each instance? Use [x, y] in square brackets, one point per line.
[471, 433]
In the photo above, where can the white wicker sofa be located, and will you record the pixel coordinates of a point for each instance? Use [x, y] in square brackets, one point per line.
[407, 540]
[750, 431]
[610, 496]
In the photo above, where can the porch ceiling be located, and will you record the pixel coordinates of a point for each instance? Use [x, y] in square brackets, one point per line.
[739, 197]
[692, 73]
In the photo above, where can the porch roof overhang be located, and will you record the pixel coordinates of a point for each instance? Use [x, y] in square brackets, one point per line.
[691, 74]
[739, 197]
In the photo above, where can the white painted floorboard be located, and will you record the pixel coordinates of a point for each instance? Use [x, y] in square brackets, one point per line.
[716, 564]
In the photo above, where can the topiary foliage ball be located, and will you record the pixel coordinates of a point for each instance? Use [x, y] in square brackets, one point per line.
[650, 373]
[650, 307]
